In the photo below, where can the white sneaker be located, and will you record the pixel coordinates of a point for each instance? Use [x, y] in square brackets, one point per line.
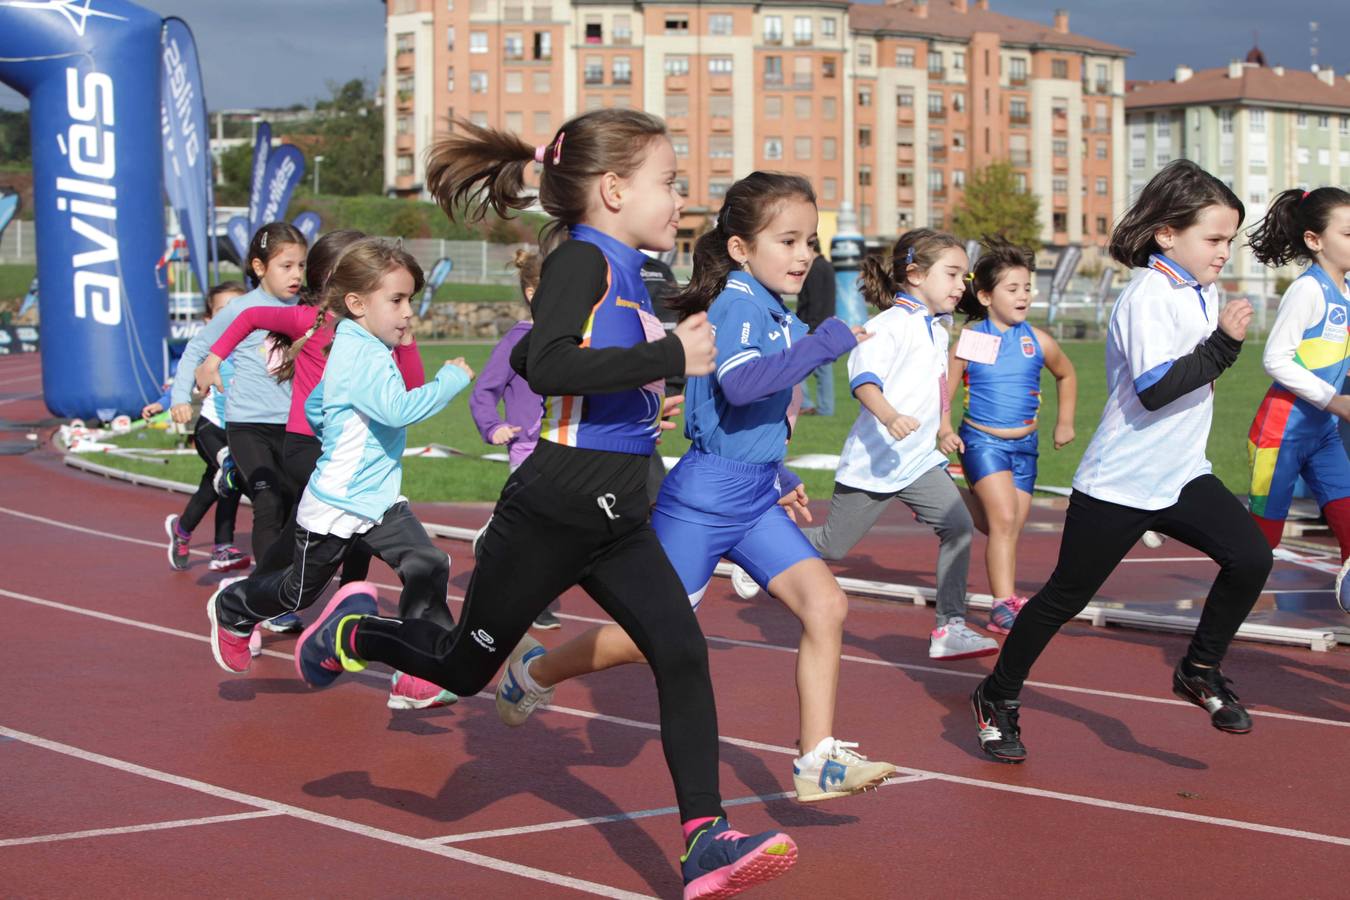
[1153, 540]
[516, 700]
[956, 641]
[746, 587]
[832, 769]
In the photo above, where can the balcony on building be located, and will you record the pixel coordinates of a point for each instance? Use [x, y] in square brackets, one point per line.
[404, 142]
[904, 154]
[405, 99]
[721, 165]
[677, 83]
[904, 115]
[720, 82]
[1103, 87]
[938, 114]
[1017, 81]
[1061, 164]
[405, 60]
[938, 193]
[677, 123]
[905, 195]
[1019, 157]
[1061, 121]
[937, 152]
[802, 81]
[721, 124]
[773, 81]
[1019, 119]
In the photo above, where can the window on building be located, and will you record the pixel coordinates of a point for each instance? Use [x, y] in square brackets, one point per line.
[403, 43]
[478, 42]
[958, 140]
[801, 148]
[959, 102]
[621, 70]
[829, 148]
[543, 45]
[827, 67]
[904, 58]
[514, 82]
[1059, 185]
[1301, 154]
[1017, 111]
[865, 176]
[936, 106]
[450, 78]
[829, 107]
[773, 148]
[1020, 182]
[720, 65]
[1103, 78]
[543, 82]
[677, 25]
[1103, 149]
[864, 137]
[405, 164]
[802, 30]
[720, 23]
[721, 146]
[1101, 226]
[958, 65]
[594, 71]
[904, 97]
[681, 144]
[513, 12]
[829, 26]
[802, 67]
[404, 125]
[515, 122]
[718, 187]
[682, 186]
[513, 46]
[595, 30]
[677, 106]
[773, 107]
[773, 71]
[935, 64]
[937, 181]
[865, 54]
[1302, 120]
[478, 118]
[1101, 187]
[450, 38]
[720, 106]
[405, 85]
[478, 82]
[1345, 124]
[1017, 70]
[1059, 147]
[1059, 68]
[676, 65]
[623, 29]
[542, 123]
[1324, 122]
[1061, 222]
[958, 179]
[829, 188]
[1257, 118]
[864, 96]
[801, 108]
[773, 29]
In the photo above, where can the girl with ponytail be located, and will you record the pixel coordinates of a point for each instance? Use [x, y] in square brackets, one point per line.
[1307, 354]
[576, 512]
[730, 495]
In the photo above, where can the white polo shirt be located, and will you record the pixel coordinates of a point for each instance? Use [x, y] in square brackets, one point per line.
[907, 359]
[1139, 458]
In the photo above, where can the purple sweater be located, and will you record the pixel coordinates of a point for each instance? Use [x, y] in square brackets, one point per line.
[498, 381]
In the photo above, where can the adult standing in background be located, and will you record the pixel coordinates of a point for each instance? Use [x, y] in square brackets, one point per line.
[815, 304]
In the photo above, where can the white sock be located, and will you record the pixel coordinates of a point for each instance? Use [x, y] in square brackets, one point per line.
[818, 753]
[530, 683]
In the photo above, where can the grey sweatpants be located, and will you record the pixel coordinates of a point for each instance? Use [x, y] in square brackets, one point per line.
[936, 502]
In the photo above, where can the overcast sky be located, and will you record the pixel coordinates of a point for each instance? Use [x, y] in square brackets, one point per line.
[265, 53]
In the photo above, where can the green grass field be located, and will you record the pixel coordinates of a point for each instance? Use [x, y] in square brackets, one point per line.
[14, 281]
[1239, 392]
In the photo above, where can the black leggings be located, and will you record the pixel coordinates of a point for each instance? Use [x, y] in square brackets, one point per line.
[1097, 535]
[539, 543]
[256, 449]
[399, 540]
[299, 455]
[209, 439]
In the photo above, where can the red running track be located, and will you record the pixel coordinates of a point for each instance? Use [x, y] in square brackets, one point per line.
[131, 764]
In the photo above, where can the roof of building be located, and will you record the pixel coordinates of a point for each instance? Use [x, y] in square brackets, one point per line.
[1257, 84]
[945, 19]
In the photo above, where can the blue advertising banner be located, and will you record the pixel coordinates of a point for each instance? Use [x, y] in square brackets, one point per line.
[187, 157]
[91, 73]
[439, 273]
[262, 148]
[285, 168]
[30, 299]
[308, 223]
[240, 235]
[9, 208]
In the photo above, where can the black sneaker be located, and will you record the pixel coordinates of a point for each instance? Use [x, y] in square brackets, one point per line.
[1000, 736]
[546, 621]
[1210, 691]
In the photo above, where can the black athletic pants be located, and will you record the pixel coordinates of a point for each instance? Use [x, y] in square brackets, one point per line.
[1097, 535]
[209, 439]
[399, 540]
[299, 455]
[256, 449]
[539, 543]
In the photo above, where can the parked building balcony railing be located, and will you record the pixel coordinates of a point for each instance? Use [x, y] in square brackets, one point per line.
[937, 153]
[1019, 120]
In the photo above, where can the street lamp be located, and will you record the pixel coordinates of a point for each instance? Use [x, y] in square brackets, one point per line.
[317, 161]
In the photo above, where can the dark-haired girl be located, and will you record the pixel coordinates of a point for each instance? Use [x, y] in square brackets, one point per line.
[1307, 354]
[899, 377]
[257, 405]
[576, 511]
[730, 495]
[1145, 467]
[1000, 366]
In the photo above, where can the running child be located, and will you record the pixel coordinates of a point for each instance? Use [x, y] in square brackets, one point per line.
[219, 484]
[1145, 467]
[361, 409]
[576, 511]
[498, 383]
[1001, 371]
[899, 377]
[256, 405]
[1307, 354]
[726, 496]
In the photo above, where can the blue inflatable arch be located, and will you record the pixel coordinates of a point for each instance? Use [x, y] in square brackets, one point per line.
[91, 72]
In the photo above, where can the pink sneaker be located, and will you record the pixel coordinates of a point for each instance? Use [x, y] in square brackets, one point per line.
[230, 650]
[409, 692]
[1003, 613]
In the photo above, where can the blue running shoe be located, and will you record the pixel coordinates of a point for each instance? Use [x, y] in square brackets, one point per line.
[286, 623]
[319, 660]
[1342, 588]
[227, 481]
[722, 863]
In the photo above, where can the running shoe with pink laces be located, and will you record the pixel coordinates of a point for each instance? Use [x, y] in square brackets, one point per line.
[1003, 613]
[228, 558]
[720, 862]
[410, 692]
[179, 551]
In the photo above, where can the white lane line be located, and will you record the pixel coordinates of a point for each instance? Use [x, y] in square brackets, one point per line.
[21, 397]
[626, 817]
[137, 829]
[907, 667]
[789, 751]
[379, 834]
[21, 378]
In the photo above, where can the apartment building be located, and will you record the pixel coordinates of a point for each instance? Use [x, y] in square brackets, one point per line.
[885, 108]
[1260, 128]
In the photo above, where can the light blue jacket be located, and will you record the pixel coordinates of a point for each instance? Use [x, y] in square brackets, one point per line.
[254, 395]
[361, 410]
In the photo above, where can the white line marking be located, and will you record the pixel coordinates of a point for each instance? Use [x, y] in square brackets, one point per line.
[744, 743]
[907, 667]
[625, 817]
[136, 829]
[21, 378]
[379, 834]
[21, 397]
